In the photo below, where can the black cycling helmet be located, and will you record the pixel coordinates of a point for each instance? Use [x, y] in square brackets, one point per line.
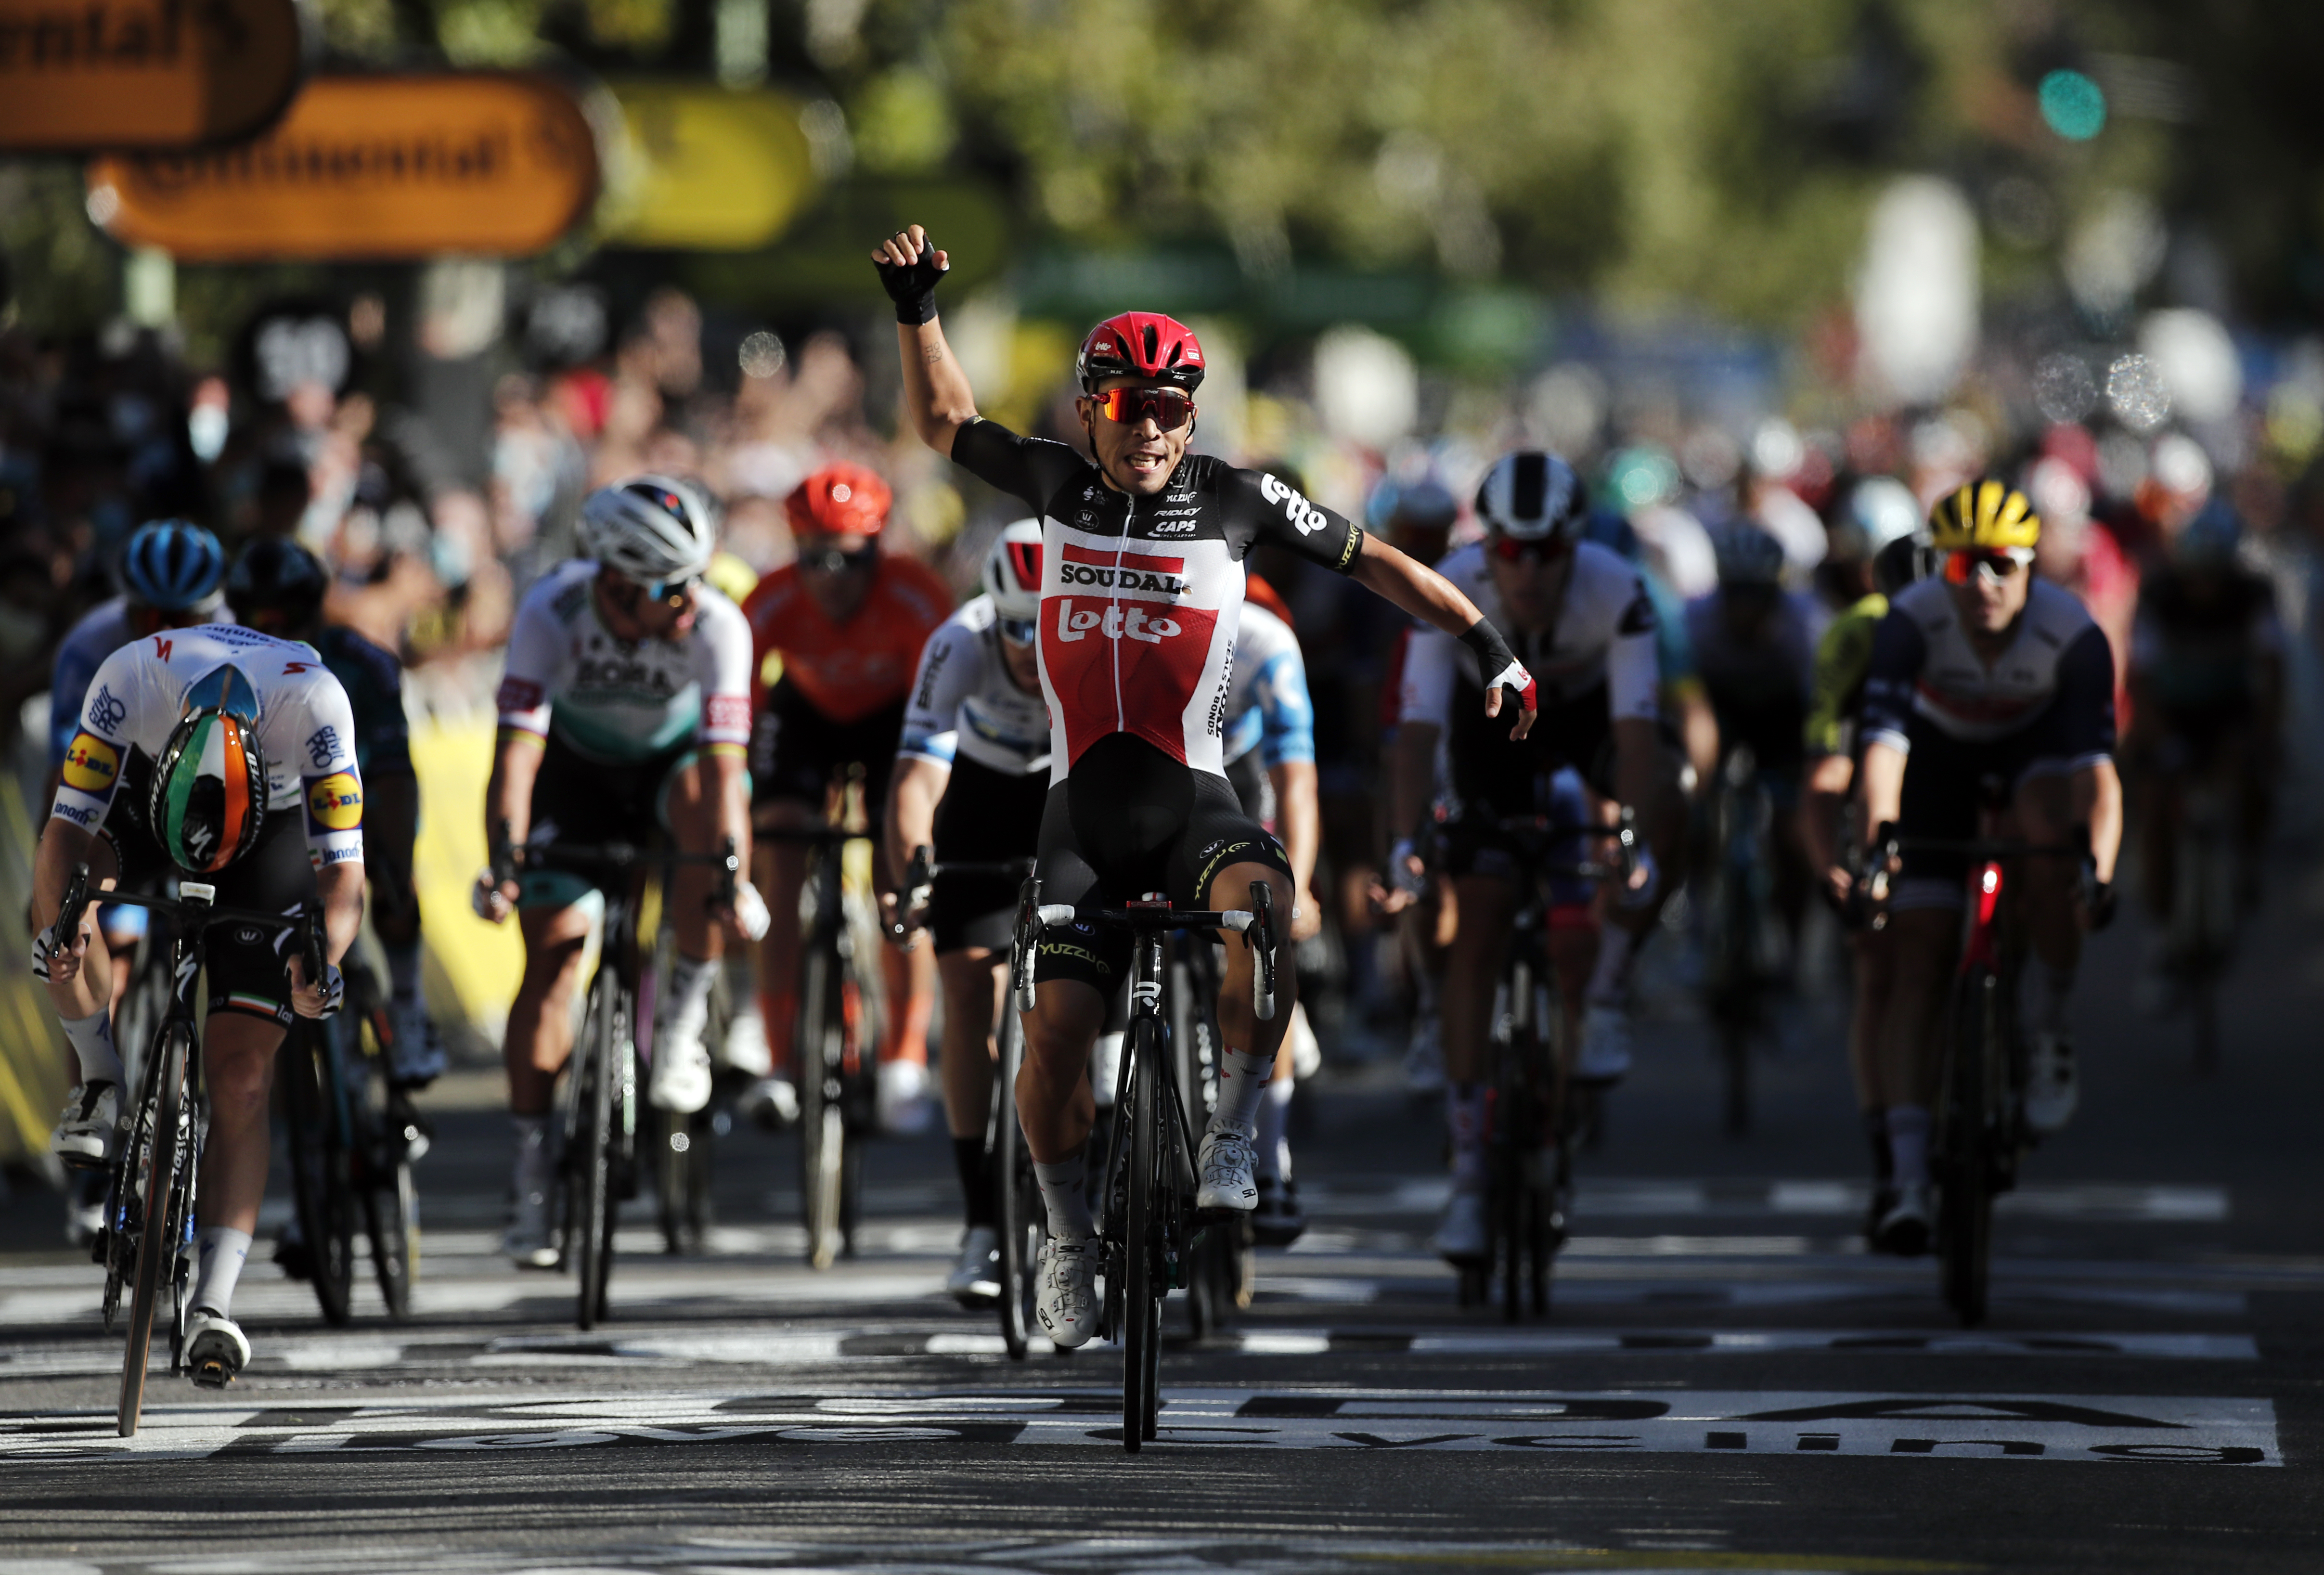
[276, 585]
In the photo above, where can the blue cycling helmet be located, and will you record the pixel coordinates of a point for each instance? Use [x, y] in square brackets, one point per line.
[173, 566]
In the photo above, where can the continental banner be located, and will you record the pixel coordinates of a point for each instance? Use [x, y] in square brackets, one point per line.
[89, 76]
[481, 164]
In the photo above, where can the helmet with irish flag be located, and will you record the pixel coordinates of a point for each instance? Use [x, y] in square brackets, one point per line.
[209, 781]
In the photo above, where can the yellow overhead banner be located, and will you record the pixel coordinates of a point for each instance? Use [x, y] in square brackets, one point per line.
[708, 170]
[87, 76]
[476, 163]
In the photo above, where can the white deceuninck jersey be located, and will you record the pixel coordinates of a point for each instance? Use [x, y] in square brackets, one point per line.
[964, 702]
[305, 728]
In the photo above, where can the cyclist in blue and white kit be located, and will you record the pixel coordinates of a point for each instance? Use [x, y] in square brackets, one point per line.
[971, 775]
[1270, 747]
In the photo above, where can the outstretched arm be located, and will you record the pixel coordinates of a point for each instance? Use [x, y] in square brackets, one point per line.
[1436, 601]
[937, 399]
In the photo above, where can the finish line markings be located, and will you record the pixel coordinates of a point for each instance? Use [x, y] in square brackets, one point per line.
[2092, 1428]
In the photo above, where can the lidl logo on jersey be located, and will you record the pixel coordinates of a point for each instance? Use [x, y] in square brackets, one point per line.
[91, 764]
[334, 803]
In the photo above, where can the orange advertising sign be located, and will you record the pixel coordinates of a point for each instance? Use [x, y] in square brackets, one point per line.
[481, 164]
[84, 75]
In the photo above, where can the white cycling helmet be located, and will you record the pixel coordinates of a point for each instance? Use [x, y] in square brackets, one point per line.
[1533, 496]
[1012, 570]
[649, 528]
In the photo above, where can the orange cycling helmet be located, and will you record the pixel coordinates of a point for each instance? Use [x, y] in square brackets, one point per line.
[839, 499]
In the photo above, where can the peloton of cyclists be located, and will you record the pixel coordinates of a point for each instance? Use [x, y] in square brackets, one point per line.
[206, 751]
[847, 622]
[1983, 676]
[1585, 625]
[625, 711]
[1143, 589]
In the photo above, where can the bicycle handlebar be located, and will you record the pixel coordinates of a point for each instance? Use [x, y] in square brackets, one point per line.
[922, 873]
[1255, 924]
[192, 906]
[1870, 887]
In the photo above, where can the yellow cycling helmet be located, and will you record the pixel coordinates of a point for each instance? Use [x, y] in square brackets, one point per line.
[1990, 514]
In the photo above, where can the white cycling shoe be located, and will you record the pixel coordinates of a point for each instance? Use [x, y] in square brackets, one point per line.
[216, 1350]
[906, 1107]
[1605, 1044]
[1906, 1228]
[1066, 1298]
[772, 1102]
[975, 1280]
[1460, 1236]
[680, 1083]
[91, 1127]
[2052, 1087]
[1227, 1163]
[526, 1241]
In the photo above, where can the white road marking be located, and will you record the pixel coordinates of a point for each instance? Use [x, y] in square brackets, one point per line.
[1620, 1198]
[2094, 1429]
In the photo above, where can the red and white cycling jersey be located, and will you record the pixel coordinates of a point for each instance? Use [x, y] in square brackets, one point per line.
[1141, 596]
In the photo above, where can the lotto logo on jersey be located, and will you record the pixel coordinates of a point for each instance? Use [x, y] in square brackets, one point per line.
[91, 764]
[334, 803]
[1116, 622]
[1302, 513]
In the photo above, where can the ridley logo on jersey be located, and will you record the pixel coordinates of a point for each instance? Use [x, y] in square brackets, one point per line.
[1116, 622]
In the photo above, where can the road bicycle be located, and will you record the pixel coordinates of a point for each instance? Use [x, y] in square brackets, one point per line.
[598, 1158]
[1981, 1132]
[150, 1209]
[1020, 1219]
[351, 1137]
[1147, 1218]
[1742, 934]
[1534, 1116]
[836, 1042]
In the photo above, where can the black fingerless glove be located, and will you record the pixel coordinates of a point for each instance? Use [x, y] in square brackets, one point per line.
[912, 286]
[1496, 664]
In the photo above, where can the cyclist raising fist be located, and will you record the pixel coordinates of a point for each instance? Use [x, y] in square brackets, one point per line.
[1141, 595]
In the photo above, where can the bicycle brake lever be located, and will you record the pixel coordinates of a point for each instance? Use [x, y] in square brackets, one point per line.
[1259, 936]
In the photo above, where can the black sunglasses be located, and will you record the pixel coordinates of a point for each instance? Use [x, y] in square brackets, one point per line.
[832, 561]
[1019, 630]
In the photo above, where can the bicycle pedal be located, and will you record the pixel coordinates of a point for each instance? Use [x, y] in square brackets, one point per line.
[213, 1373]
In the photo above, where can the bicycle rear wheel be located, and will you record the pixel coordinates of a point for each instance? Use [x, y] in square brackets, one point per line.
[590, 1174]
[1140, 1224]
[1966, 1203]
[1016, 1201]
[321, 1177]
[163, 1163]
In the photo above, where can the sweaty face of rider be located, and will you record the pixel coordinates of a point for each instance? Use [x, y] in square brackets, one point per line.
[636, 615]
[836, 567]
[1530, 578]
[1989, 604]
[1137, 456]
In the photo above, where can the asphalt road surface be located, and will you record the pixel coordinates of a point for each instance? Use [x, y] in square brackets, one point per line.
[1726, 1380]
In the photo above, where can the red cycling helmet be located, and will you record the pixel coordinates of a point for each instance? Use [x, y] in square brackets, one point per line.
[839, 499]
[1141, 345]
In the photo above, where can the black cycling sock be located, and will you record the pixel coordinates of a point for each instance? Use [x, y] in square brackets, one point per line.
[976, 1179]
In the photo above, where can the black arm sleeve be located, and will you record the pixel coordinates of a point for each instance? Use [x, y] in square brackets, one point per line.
[2082, 712]
[1899, 652]
[1032, 469]
[1272, 510]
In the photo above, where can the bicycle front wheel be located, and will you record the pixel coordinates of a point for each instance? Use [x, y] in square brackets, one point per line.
[590, 1178]
[162, 1163]
[321, 1182]
[1141, 1225]
[1017, 1197]
[823, 1118]
[1969, 1134]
